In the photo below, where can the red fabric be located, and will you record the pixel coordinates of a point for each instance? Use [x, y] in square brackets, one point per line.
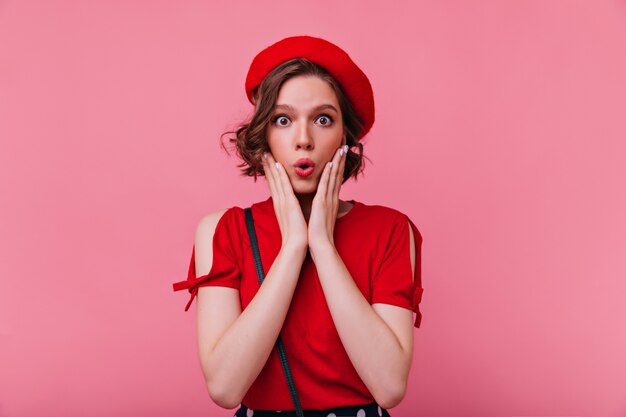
[329, 56]
[373, 242]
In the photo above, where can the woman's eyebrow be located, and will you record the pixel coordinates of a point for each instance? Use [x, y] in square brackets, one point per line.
[317, 108]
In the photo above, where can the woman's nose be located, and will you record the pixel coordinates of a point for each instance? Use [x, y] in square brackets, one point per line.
[304, 139]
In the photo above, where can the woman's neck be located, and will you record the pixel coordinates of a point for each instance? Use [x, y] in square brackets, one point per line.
[306, 202]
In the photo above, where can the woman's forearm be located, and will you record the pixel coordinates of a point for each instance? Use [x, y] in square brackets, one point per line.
[241, 353]
[371, 345]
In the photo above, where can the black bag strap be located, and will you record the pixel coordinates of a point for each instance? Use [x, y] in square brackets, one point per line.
[279, 342]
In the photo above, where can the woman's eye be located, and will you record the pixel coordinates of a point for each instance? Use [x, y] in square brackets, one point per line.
[325, 120]
[281, 120]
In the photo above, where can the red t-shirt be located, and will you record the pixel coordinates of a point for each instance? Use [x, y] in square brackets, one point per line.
[373, 242]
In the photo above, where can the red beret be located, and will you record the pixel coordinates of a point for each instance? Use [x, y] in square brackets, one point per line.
[333, 59]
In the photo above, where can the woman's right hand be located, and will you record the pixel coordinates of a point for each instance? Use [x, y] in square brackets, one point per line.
[293, 227]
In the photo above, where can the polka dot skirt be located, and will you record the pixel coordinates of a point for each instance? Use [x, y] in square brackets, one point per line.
[366, 410]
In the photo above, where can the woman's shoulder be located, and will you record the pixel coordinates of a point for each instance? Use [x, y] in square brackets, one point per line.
[388, 218]
[381, 212]
[209, 222]
[233, 217]
[211, 219]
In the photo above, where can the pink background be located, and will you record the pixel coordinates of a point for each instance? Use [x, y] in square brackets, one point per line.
[500, 131]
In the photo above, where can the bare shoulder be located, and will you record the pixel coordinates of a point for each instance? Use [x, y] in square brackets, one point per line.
[204, 241]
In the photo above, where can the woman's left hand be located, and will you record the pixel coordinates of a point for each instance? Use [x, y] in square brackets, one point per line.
[325, 204]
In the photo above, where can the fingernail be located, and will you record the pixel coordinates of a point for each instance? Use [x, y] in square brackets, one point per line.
[345, 149]
[341, 152]
[276, 164]
[265, 155]
[331, 164]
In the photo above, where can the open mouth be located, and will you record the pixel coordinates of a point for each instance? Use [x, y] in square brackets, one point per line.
[304, 170]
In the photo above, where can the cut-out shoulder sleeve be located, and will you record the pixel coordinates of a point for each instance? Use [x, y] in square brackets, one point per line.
[225, 270]
[395, 283]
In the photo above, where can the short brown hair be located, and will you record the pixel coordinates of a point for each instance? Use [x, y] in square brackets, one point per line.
[250, 140]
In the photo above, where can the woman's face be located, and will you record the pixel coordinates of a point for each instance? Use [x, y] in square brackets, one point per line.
[306, 123]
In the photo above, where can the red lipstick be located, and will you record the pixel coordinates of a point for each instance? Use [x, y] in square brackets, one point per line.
[304, 167]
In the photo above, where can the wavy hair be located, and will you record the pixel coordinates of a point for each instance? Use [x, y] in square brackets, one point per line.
[250, 138]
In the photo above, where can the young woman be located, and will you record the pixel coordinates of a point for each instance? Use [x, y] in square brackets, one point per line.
[341, 278]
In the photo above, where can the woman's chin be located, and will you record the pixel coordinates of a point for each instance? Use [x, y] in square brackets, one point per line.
[304, 185]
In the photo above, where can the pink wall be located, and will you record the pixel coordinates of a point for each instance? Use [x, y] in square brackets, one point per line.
[500, 130]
